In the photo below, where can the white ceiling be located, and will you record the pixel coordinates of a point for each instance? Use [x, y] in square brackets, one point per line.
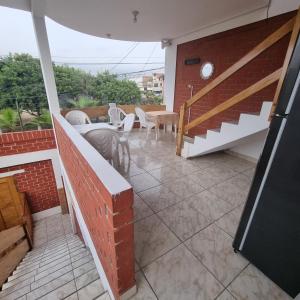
[157, 19]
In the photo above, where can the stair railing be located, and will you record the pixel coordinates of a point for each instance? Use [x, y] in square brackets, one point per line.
[292, 25]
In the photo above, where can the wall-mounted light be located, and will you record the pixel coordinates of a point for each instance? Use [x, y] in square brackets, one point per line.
[207, 70]
[192, 61]
[165, 43]
[135, 14]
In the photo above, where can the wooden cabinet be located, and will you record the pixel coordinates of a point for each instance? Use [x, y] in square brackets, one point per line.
[14, 209]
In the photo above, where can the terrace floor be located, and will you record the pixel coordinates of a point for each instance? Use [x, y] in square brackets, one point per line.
[186, 215]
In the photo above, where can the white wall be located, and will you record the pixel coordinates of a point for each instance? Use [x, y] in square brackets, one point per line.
[282, 6]
[252, 149]
[170, 72]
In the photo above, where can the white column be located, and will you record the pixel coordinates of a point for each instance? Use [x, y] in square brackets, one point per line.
[170, 73]
[46, 62]
[49, 80]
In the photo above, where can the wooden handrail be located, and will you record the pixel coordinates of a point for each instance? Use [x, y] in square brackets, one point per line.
[290, 50]
[265, 44]
[256, 87]
[292, 25]
[180, 129]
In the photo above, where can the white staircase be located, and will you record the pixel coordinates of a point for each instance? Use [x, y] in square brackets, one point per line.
[229, 134]
[61, 269]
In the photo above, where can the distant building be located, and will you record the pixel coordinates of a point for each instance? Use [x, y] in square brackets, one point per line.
[151, 83]
[158, 83]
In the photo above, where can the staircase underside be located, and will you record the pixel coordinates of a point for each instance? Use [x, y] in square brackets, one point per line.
[230, 134]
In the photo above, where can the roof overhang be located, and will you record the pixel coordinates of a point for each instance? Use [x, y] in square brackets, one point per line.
[156, 19]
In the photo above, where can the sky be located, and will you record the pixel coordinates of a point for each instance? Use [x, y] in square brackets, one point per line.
[75, 48]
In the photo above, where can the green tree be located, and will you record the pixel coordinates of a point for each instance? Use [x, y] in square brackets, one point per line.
[41, 121]
[72, 82]
[107, 88]
[21, 80]
[8, 119]
[152, 98]
[83, 101]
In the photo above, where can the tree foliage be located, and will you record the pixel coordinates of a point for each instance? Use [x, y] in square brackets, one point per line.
[8, 119]
[21, 80]
[107, 88]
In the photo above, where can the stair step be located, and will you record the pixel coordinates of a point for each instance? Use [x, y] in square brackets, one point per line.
[235, 122]
[251, 113]
[60, 268]
[188, 139]
[95, 290]
[230, 134]
[216, 129]
[104, 296]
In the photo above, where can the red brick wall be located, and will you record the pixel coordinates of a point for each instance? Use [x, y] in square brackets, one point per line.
[27, 141]
[78, 230]
[223, 50]
[109, 218]
[38, 182]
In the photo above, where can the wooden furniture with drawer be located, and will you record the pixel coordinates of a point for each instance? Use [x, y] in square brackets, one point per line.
[14, 209]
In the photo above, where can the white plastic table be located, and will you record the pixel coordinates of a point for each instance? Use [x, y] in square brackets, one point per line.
[163, 117]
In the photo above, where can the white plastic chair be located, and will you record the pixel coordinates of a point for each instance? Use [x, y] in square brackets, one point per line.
[144, 123]
[77, 117]
[106, 142]
[128, 123]
[114, 114]
[112, 105]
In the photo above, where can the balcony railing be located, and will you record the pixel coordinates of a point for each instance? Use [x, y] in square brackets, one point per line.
[102, 200]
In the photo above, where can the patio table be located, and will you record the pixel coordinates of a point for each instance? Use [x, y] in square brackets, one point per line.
[163, 117]
[84, 128]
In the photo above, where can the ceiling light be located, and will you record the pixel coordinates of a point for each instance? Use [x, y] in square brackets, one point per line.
[135, 14]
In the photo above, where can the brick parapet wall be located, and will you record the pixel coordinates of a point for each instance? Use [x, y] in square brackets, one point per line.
[27, 141]
[37, 180]
[109, 218]
[223, 50]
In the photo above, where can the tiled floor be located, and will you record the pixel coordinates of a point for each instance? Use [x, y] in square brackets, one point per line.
[186, 215]
[59, 267]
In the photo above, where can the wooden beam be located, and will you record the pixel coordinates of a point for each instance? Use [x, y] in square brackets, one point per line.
[256, 87]
[266, 43]
[180, 129]
[290, 50]
[10, 236]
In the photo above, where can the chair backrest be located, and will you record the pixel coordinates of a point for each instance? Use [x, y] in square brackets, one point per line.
[141, 115]
[114, 114]
[111, 105]
[77, 117]
[105, 141]
[128, 122]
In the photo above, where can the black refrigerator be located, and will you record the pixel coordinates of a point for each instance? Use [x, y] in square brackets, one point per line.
[268, 234]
